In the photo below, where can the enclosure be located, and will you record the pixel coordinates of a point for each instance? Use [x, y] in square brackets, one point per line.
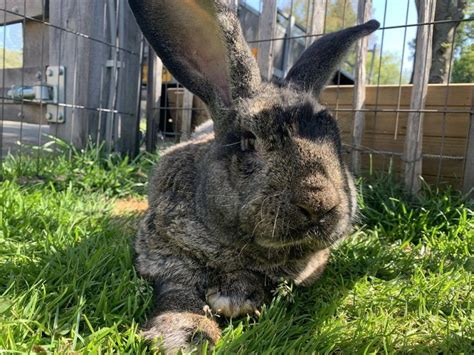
[82, 72]
[87, 107]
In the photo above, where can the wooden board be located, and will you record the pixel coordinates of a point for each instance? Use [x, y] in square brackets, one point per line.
[454, 125]
[16, 10]
[438, 95]
[432, 145]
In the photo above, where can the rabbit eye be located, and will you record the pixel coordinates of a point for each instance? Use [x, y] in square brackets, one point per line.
[247, 142]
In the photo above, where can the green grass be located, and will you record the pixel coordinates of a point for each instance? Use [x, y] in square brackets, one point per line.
[401, 283]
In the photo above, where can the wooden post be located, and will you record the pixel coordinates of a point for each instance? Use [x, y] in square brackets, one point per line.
[412, 154]
[153, 98]
[287, 53]
[232, 4]
[267, 26]
[130, 77]
[468, 181]
[187, 115]
[363, 14]
[316, 21]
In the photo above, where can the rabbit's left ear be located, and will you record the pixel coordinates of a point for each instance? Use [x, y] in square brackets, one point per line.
[317, 65]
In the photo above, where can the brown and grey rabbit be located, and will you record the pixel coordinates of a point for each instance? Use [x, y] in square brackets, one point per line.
[262, 198]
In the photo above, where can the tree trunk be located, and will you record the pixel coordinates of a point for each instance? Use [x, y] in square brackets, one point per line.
[443, 37]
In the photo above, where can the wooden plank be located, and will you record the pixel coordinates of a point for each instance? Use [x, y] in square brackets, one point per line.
[231, 4]
[32, 113]
[458, 95]
[17, 9]
[364, 10]
[448, 168]
[130, 38]
[316, 20]
[186, 115]
[83, 60]
[287, 63]
[267, 27]
[414, 137]
[387, 143]
[154, 76]
[14, 77]
[468, 183]
[454, 125]
[89, 74]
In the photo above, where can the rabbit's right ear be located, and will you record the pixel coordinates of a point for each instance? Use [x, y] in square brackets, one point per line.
[187, 37]
[201, 44]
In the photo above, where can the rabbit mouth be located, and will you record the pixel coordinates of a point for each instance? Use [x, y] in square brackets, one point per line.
[314, 235]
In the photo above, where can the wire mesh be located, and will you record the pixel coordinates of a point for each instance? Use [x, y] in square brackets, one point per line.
[93, 46]
[107, 58]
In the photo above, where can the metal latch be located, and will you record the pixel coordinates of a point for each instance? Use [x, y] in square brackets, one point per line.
[56, 79]
[35, 93]
[52, 92]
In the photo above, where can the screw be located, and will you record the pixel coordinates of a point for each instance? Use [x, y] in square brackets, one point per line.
[49, 72]
[49, 116]
[15, 9]
[20, 115]
[61, 70]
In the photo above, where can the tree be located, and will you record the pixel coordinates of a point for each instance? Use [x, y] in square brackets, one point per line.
[443, 37]
[463, 67]
[387, 70]
[340, 13]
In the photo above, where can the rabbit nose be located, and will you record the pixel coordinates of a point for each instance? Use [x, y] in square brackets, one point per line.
[307, 211]
[316, 202]
[313, 214]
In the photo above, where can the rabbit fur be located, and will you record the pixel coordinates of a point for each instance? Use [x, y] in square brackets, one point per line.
[260, 199]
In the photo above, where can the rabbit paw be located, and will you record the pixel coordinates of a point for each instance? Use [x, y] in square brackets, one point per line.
[234, 301]
[181, 331]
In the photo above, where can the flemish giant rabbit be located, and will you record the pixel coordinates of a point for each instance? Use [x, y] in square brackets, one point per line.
[262, 198]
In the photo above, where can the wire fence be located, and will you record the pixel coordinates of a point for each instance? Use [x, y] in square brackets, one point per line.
[80, 71]
[71, 71]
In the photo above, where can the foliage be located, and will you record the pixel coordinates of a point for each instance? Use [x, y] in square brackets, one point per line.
[340, 13]
[463, 67]
[385, 70]
[401, 283]
[11, 58]
[63, 166]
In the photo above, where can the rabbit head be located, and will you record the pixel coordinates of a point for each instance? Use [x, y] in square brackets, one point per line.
[274, 172]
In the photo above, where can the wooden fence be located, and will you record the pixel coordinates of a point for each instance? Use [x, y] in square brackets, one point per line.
[447, 130]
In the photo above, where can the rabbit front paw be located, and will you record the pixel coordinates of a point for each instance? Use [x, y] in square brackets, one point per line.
[235, 299]
[181, 331]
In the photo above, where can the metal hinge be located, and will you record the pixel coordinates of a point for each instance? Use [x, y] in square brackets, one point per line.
[52, 93]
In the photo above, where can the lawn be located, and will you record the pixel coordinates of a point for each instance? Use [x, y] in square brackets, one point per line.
[401, 283]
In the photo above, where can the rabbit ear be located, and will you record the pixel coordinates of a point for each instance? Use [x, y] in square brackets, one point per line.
[187, 37]
[201, 44]
[317, 64]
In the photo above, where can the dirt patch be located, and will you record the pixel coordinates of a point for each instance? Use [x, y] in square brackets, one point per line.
[130, 205]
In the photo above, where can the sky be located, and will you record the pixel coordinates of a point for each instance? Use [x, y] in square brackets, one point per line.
[395, 14]
[12, 34]
[392, 13]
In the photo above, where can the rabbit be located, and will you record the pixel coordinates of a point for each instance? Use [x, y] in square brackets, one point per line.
[261, 198]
